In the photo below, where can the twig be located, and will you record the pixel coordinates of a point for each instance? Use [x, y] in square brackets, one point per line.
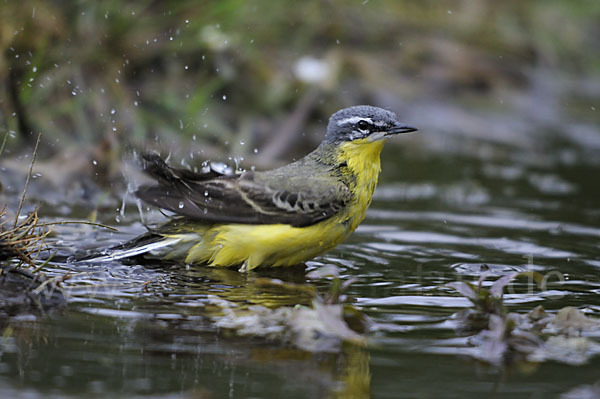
[40, 267]
[3, 143]
[27, 180]
[78, 222]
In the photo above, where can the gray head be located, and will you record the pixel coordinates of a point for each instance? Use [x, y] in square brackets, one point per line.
[363, 121]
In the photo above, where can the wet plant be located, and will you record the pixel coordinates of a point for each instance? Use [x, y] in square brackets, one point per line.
[23, 241]
[486, 302]
[502, 338]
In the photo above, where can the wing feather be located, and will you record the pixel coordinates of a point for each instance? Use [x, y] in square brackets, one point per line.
[249, 198]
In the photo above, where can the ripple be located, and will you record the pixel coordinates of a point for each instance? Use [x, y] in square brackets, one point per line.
[506, 220]
[494, 269]
[115, 313]
[418, 300]
[502, 244]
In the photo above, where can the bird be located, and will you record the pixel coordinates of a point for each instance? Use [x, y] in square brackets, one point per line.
[280, 217]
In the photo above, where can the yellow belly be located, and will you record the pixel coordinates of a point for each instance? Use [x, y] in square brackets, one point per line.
[272, 245]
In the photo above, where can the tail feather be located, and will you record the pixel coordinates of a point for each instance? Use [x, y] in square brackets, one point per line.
[171, 241]
[154, 247]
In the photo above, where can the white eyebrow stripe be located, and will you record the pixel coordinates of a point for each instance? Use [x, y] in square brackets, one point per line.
[379, 123]
[354, 119]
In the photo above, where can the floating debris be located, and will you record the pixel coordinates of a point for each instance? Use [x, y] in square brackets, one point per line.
[321, 327]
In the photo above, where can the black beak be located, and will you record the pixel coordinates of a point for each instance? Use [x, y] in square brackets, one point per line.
[399, 128]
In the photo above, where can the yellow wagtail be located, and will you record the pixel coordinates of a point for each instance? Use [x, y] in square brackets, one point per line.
[279, 217]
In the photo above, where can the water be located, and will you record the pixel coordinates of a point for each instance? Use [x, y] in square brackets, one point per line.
[437, 217]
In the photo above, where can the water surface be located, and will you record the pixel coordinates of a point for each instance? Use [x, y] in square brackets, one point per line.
[178, 331]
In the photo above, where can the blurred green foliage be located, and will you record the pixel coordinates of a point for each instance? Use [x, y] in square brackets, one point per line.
[219, 72]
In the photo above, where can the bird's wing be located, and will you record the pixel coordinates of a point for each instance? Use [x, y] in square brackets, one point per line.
[250, 198]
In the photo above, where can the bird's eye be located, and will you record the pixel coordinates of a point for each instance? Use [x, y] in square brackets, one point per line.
[364, 125]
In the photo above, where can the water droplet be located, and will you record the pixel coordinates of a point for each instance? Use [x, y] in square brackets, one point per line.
[181, 204]
[206, 193]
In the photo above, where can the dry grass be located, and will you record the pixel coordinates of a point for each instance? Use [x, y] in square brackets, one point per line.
[25, 240]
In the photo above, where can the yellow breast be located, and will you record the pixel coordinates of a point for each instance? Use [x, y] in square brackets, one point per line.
[363, 159]
[284, 245]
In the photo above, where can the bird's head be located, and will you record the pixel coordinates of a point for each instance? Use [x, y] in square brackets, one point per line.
[364, 122]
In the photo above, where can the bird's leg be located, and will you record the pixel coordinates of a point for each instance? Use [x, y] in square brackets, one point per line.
[244, 267]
